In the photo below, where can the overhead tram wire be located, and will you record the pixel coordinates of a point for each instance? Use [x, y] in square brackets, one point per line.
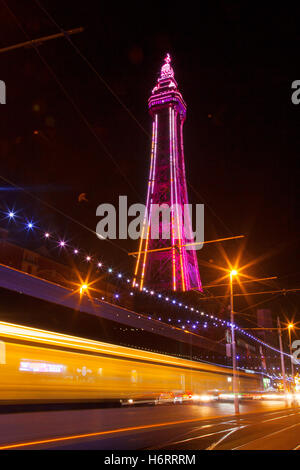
[85, 120]
[107, 152]
[281, 291]
[39, 41]
[90, 65]
[241, 312]
[244, 315]
[243, 282]
[67, 36]
[85, 59]
[77, 109]
[210, 208]
[223, 322]
[87, 124]
[258, 303]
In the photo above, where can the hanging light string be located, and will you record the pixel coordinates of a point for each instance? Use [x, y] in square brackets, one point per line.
[189, 325]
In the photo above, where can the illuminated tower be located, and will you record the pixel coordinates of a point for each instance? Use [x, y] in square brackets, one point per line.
[163, 262]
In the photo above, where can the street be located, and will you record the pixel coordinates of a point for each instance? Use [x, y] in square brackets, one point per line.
[260, 426]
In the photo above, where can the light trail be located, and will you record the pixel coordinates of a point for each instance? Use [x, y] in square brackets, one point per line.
[231, 431]
[101, 433]
[200, 437]
[267, 435]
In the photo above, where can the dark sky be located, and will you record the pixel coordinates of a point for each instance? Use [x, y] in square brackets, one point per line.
[234, 63]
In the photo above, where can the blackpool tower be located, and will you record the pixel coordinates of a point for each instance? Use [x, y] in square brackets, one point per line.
[166, 258]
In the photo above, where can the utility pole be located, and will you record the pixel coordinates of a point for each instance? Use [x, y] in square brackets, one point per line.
[281, 355]
[234, 369]
[290, 326]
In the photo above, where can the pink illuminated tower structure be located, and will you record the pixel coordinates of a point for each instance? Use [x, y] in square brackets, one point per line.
[161, 262]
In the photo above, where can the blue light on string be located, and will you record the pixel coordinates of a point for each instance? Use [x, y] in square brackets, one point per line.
[29, 225]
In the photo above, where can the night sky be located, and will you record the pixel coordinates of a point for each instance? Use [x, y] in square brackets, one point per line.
[234, 64]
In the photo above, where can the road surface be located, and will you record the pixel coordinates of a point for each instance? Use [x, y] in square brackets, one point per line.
[261, 425]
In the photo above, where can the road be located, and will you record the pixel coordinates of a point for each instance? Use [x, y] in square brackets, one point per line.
[261, 425]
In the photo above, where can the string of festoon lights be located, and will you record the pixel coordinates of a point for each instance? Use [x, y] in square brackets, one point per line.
[193, 325]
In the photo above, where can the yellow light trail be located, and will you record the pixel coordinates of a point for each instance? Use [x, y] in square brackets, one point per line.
[47, 337]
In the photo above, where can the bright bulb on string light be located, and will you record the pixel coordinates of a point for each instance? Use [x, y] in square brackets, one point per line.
[29, 225]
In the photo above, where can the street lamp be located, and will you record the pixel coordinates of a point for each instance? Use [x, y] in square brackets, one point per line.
[281, 355]
[290, 327]
[234, 380]
[83, 288]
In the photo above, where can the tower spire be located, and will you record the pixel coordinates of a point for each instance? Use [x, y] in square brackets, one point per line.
[166, 70]
[164, 259]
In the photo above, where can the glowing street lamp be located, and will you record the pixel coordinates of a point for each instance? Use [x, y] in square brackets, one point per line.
[83, 288]
[233, 273]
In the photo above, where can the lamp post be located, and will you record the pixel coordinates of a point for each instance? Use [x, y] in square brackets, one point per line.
[281, 355]
[290, 326]
[234, 378]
